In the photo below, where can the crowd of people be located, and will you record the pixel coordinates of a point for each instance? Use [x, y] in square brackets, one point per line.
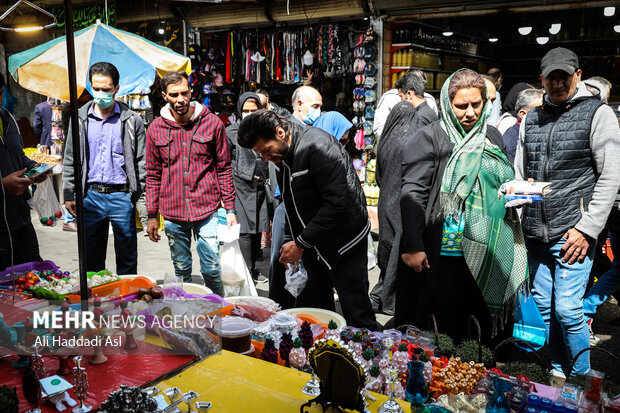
[448, 243]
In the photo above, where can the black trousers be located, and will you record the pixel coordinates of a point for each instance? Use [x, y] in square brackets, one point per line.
[350, 279]
[457, 297]
[25, 246]
[250, 247]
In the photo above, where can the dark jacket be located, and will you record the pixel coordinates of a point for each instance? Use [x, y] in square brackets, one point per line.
[325, 205]
[511, 140]
[12, 159]
[250, 190]
[132, 135]
[279, 110]
[559, 151]
[42, 123]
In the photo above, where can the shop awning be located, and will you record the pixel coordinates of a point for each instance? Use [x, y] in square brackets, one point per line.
[229, 15]
[447, 8]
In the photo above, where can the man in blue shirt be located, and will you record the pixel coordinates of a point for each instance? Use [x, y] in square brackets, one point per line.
[113, 171]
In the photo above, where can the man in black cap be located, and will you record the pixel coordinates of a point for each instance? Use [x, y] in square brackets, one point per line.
[571, 141]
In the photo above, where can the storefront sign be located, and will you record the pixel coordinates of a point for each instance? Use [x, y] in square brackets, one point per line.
[87, 15]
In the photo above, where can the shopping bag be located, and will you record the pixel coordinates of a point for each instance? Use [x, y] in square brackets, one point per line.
[529, 324]
[45, 202]
[372, 255]
[235, 275]
[296, 278]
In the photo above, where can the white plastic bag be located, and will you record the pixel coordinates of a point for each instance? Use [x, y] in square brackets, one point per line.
[45, 202]
[296, 278]
[235, 275]
[372, 255]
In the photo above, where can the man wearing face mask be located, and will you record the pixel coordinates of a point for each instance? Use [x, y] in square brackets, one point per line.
[253, 188]
[189, 177]
[571, 141]
[307, 103]
[113, 171]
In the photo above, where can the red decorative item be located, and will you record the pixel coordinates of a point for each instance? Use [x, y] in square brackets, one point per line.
[58, 214]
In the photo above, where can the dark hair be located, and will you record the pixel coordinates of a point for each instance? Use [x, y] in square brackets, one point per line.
[411, 82]
[465, 79]
[172, 78]
[261, 91]
[260, 125]
[105, 69]
[1, 81]
[495, 73]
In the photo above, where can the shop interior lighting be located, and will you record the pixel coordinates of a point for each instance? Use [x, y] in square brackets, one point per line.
[609, 11]
[161, 30]
[27, 28]
[617, 28]
[555, 28]
[525, 30]
[542, 40]
[493, 39]
[448, 34]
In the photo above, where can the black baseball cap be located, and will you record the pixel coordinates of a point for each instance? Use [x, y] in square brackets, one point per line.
[559, 58]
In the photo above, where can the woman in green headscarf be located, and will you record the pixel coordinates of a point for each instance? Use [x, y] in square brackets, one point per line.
[462, 251]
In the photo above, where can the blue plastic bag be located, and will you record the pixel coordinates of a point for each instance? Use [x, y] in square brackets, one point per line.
[529, 324]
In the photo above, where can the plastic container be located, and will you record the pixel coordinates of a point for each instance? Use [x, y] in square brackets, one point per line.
[26, 267]
[117, 289]
[31, 266]
[236, 333]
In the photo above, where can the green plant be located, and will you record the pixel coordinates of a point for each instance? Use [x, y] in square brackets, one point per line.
[531, 370]
[445, 344]
[468, 351]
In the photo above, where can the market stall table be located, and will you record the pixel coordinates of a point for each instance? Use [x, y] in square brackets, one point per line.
[131, 370]
[236, 383]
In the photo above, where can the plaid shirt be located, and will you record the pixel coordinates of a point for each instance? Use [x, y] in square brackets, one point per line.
[188, 171]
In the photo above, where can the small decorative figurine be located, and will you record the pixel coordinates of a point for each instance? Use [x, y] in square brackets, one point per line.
[80, 385]
[400, 358]
[130, 342]
[305, 334]
[391, 405]
[297, 357]
[286, 345]
[269, 353]
[332, 330]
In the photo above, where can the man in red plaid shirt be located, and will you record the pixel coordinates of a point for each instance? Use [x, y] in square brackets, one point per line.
[189, 177]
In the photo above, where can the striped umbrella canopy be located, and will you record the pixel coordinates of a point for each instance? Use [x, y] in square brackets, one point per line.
[43, 69]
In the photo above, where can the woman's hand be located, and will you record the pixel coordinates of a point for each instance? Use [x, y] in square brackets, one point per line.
[416, 260]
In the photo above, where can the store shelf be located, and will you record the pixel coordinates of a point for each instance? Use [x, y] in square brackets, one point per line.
[425, 69]
[398, 46]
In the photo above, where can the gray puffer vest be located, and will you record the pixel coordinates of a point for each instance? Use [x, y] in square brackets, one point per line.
[557, 143]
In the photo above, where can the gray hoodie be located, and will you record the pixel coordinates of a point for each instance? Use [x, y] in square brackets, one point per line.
[605, 146]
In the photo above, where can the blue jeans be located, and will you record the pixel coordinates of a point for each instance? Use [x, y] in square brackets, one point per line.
[205, 234]
[609, 282]
[99, 211]
[558, 290]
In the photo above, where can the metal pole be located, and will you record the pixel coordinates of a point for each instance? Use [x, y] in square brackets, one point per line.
[77, 154]
[184, 38]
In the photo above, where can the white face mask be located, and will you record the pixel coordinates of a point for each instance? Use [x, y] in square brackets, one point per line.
[245, 115]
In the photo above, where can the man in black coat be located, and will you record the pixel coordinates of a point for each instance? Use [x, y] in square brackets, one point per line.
[42, 123]
[327, 220]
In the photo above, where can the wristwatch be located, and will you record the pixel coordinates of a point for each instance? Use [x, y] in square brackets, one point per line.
[231, 211]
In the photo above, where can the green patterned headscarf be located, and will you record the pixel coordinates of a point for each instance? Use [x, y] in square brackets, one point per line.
[493, 243]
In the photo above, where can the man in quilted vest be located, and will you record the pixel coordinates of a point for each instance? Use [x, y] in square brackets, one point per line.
[571, 141]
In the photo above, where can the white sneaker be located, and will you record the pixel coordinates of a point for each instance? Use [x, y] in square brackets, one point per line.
[594, 340]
